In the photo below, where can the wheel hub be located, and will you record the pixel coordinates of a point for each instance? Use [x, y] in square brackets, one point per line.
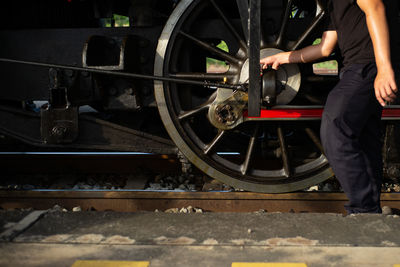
[226, 112]
[278, 88]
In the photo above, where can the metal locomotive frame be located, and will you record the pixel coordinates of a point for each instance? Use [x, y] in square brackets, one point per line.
[250, 130]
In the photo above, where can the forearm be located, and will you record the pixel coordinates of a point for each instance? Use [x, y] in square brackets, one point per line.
[306, 54]
[314, 52]
[379, 32]
[385, 83]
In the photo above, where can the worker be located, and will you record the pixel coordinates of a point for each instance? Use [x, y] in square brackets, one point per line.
[351, 122]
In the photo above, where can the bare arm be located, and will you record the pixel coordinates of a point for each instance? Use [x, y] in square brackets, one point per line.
[304, 55]
[385, 83]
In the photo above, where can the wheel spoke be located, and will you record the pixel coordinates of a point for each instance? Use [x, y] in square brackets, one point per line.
[285, 156]
[308, 31]
[212, 49]
[214, 142]
[243, 6]
[315, 139]
[245, 165]
[229, 25]
[193, 112]
[285, 20]
[203, 107]
[201, 76]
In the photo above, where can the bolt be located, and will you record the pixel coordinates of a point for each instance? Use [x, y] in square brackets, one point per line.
[59, 131]
[228, 107]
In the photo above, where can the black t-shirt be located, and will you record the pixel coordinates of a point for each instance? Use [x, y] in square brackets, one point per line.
[355, 43]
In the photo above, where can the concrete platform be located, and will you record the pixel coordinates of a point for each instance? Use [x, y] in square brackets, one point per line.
[201, 239]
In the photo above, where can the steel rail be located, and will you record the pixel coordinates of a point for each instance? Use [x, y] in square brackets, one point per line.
[241, 87]
[133, 201]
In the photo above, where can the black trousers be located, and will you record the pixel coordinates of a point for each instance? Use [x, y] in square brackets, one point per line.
[352, 137]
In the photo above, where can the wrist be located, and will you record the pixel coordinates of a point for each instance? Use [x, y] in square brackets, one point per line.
[385, 68]
[284, 58]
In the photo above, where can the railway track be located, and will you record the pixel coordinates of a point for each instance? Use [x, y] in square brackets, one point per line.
[132, 201]
[149, 200]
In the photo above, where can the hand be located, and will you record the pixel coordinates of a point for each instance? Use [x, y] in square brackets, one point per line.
[385, 87]
[275, 61]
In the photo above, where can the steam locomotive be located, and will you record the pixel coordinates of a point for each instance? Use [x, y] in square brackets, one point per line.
[176, 76]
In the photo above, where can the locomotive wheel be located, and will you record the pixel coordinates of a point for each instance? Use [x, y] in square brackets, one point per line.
[269, 157]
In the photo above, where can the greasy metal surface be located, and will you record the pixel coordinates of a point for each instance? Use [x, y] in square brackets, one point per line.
[208, 201]
[226, 111]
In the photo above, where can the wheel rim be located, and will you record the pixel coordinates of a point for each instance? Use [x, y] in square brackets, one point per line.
[281, 166]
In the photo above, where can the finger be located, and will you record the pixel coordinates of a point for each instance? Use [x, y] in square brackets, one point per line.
[391, 94]
[383, 90]
[388, 93]
[386, 97]
[379, 98]
[275, 66]
[265, 63]
[393, 85]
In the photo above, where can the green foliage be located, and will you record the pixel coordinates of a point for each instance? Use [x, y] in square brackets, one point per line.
[223, 46]
[219, 63]
[119, 21]
[330, 65]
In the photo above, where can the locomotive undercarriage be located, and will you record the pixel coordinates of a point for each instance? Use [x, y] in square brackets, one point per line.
[276, 151]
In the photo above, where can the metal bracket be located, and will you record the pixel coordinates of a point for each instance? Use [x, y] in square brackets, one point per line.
[59, 126]
[59, 120]
[254, 58]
